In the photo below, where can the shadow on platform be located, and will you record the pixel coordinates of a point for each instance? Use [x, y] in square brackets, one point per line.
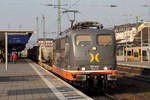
[29, 91]
[20, 78]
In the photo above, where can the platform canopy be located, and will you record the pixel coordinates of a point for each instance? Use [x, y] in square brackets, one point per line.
[16, 38]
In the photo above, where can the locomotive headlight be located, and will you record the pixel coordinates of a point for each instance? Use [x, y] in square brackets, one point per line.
[94, 48]
[83, 68]
[105, 68]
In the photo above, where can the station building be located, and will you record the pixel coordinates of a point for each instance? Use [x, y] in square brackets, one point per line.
[131, 37]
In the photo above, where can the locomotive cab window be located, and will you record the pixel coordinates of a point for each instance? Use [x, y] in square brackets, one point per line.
[83, 40]
[104, 39]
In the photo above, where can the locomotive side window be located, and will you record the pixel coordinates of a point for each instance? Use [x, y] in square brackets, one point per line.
[83, 40]
[104, 39]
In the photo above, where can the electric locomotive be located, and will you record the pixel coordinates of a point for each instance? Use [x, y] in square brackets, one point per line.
[85, 54]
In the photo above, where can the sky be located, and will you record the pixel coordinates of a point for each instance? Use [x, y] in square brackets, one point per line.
[21, 14]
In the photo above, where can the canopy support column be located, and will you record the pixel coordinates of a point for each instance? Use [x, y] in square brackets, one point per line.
[6, 51]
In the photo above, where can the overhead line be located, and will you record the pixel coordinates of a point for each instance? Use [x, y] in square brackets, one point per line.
[74, 3]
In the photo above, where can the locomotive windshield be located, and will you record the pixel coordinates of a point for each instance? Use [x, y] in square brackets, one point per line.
[83, 40]
[104, 40]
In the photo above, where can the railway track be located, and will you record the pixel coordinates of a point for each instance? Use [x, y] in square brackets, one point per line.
[137, 73]
[134, 70]
[138, 79]
[131, 89]
[111, 97]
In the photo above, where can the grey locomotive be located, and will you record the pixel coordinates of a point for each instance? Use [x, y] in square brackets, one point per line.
[85, 54]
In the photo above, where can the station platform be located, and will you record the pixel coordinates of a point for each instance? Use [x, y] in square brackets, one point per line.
[26, 80]
[144, 64]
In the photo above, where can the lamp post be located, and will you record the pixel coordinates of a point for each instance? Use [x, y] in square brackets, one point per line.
[59, 17]
[44, 33]
[37, 27]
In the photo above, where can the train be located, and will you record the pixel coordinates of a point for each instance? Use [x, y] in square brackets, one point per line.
[85, 55]
[134, 53]
[41, 54]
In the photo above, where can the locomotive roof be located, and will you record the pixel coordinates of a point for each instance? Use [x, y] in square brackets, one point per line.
[87, 25]
[84, 25]
[103, 31]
